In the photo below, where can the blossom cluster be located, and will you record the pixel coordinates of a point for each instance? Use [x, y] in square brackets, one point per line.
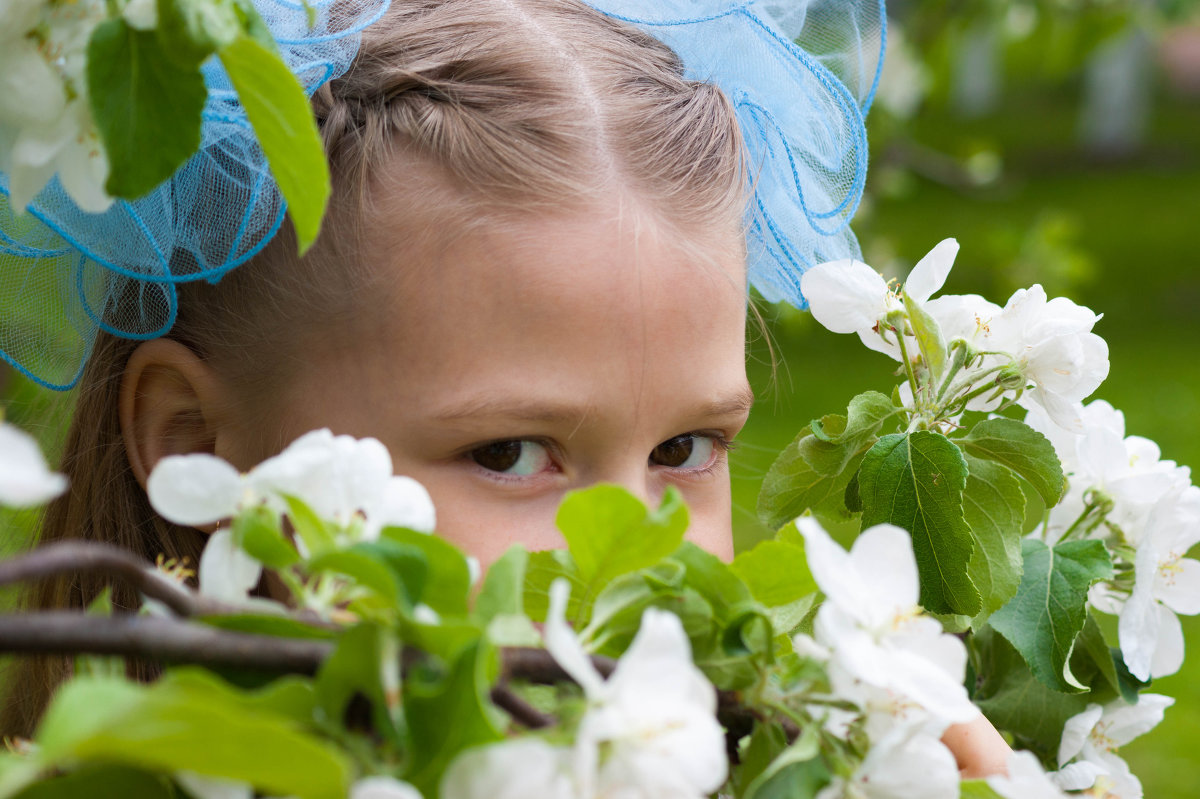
[344, 481]
[46, 123]
[648, 732]
[888, 659]
[1147, 511]
[971, 353]
[964, 353]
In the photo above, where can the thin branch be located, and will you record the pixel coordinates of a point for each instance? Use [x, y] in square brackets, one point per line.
[519, 709]
[92, 557]
[538, 666]
[181, 641]
[172, 640]
[82, 557]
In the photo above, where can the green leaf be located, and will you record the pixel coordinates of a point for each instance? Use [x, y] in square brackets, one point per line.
[1130, 686]
[756, 753]
[281, 626]
[503, 587]
[188, 726]
[776, 572]
[102, 780]
[355, 669]
[315, 533]
[796, 772]
[929, 337]
[147, 107]
[1022, 449]
[278, 109]
[916, 481]
[396, 572]
[1091, 645]
[543, 569]
[609, 532]
[192, 30]
[448, 712]
[865, 414]
[812, 473]
[1016, 701]
[976, 789]
[448, 585]
[994, 508]
[744, 633]
[1049, 608]
[289, 695]
[259, 532]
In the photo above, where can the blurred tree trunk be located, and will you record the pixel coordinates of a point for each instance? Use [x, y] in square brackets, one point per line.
[978, 78]
[1117, 96]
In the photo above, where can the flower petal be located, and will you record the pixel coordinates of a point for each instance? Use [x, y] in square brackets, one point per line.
[1177, 585]
[930, 273]
[1076, 732]
[194, 489]
[516, 769]
[1125, 722]
[1168, 650]
[383, 788]
[25, 479]
[564, 646]
[403, 503]
[226, 572]
[845, 296]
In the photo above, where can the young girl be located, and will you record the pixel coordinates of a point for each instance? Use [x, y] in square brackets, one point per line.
[532, 278]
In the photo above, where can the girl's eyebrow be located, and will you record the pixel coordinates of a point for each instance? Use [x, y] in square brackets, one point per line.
[738, 402]
[521, 410]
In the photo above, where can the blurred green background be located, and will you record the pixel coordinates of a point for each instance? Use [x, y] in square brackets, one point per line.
[1059, 142]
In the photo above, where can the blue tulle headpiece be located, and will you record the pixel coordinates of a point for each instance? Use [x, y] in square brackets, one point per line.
[800, 73]
[65, 273]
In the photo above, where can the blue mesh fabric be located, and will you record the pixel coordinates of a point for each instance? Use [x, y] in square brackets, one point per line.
[65, 273]
[802, 74]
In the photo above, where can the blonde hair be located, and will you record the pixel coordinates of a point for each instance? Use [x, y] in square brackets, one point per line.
[471, 108]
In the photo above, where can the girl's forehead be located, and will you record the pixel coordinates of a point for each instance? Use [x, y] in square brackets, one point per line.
[569, 310]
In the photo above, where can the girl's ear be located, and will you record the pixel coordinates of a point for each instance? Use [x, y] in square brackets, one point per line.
[169, 405]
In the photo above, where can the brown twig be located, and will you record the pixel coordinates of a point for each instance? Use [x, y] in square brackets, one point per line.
[519, 709]
[181, 641]
[172, 640]
[84, 557]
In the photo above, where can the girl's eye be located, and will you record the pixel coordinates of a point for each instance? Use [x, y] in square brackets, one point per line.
[688, 451]
[518, 457]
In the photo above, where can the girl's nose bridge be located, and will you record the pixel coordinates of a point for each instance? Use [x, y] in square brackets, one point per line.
[631, 472]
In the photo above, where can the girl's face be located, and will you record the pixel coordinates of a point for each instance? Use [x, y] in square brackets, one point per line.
[530, 359]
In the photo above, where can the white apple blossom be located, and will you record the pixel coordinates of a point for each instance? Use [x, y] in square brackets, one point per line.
[1090, 740]
[226, 572]
[25, 479]
[516, 769]
[1165, 583]
[650, 730]
[848, 296]
[876, 632]
[341, 478]
[1053, 347]
[382, 788]
[904, 765]
[1100, 461]
[1026, 779]
[46, 126]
